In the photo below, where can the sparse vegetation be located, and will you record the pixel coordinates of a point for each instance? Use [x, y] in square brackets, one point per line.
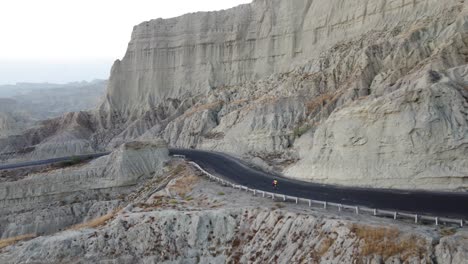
[13, 240]
[388, 242]
[447, 231]
[301, 130]
[184, 185]
[177, 170]
[221, 193]
[325, 246]
[280, 205]
[100, 221]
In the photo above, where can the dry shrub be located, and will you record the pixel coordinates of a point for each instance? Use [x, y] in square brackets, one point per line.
[447, 231]
[184, 185]
[13, 240]
[97, 222]
[387, 242]
[177, 170]
[325, 246]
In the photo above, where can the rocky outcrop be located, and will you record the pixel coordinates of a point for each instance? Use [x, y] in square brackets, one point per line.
[25, 104]
[415, 137]
[46, 202]
[192, 54]
[184, 219]
[260, 80]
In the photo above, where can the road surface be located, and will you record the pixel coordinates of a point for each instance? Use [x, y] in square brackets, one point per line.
[443, 204]
[49, 161]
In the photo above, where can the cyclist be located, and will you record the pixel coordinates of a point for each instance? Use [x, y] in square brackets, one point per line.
[275, 184]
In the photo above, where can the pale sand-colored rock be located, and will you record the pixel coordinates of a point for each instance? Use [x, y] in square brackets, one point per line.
[46, 202]
[190, 220]
[258, 81]
[189, 55]
[415, 137]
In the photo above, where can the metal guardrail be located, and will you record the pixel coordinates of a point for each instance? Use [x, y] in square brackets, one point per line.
[418, 219]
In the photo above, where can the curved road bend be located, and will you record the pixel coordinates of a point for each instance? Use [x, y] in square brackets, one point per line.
[447, 204]
[444, 204]
[49, 161]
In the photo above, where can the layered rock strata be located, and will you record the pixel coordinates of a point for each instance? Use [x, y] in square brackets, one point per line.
[189, 220]
[46, 202]
[369, 93]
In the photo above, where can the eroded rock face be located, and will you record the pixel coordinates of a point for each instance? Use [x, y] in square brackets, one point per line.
[260, 80]
[415, 137]
[189, 55]
[46, 202]
[185, 219]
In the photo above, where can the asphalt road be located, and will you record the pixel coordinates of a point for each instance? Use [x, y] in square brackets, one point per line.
[49, 161]
[448, 204]
[444, 204]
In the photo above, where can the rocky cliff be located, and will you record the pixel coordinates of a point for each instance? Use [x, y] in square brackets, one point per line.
[369, 93]
[261, 80]
[190, 55]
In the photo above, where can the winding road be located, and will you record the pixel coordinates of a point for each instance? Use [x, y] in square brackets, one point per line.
[448, 204]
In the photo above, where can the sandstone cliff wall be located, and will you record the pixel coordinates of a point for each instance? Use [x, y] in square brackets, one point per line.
[316, 89]
[188, 55]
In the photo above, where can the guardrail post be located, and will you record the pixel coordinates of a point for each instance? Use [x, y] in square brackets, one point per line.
[357, 209]
[395, 215]
[461, 223]
[310, 203]
[437, 221]
[375, 212]
[297, 200]
[263, 194]
[284, 198]
[272, 196]
[324, 205]
[415, 218]
[255, 192]
[340, 207]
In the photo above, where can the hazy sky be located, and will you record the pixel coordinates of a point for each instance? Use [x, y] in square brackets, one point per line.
[71, 40]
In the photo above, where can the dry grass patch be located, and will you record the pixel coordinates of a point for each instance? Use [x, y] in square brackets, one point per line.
[388, 242]
[13, 240]
[447, 231]
[184, 185]
[325, 246]
[97, 222]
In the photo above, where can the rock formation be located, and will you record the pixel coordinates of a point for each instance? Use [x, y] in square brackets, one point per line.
[23, 105]
[46, 202]
[369, 93]
[184, 219]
